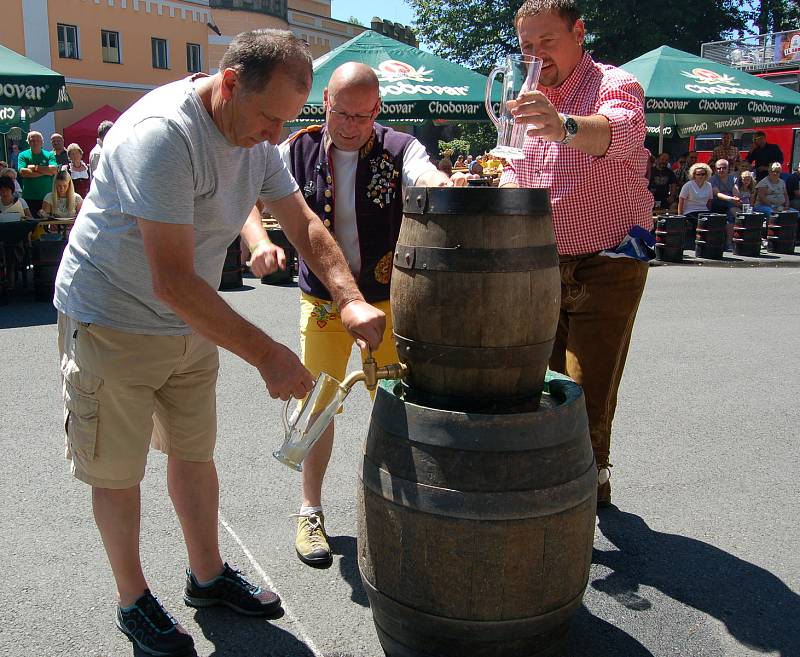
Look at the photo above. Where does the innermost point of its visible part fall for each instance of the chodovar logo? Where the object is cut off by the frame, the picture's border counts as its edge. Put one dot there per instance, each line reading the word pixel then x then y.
pixel 399 75
pixel 16 92
pixel 711 82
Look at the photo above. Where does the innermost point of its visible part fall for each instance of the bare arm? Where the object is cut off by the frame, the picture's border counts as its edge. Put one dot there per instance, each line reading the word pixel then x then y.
pixel 170 254
pixel 265 257
pixel 319 250
pixel 681 204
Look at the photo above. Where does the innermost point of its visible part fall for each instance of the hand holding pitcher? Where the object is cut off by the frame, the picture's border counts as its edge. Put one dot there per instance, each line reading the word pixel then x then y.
pixel 535 111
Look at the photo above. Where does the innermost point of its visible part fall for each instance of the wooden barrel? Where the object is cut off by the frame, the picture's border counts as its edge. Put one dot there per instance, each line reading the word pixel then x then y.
pixel 475 531
pixel 710 242
pixel 669 237
pixel 277 236
pixel 475 296
pixel 747 234
pixel 782 232
pixel 46 257
pixel 232 269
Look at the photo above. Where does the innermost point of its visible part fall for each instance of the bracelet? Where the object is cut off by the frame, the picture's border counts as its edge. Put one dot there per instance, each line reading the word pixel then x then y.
pixel 348 301
pixel 258 245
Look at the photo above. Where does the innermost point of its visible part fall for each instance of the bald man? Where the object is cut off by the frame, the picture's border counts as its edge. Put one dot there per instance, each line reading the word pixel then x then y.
pixel 352 172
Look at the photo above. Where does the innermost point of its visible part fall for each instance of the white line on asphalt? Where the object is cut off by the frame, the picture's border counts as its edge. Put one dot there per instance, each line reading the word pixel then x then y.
pixel 290 616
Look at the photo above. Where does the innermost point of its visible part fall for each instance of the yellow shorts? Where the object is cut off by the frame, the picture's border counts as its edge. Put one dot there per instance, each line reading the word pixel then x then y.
pixel 124 390
pixel 326 345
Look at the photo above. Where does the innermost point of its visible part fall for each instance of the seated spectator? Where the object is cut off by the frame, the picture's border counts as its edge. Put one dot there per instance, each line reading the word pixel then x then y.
pixel 8 201
pixel 695 197
pixel 747 188
pixel 460 164
pixel 772 195
pixel 62 202
pixel 475 167
pixel 793 188
pixel 468 160
pixel 678 164
pixel 726 192
pixel 78 170
pixel 662 182
pixel 11 173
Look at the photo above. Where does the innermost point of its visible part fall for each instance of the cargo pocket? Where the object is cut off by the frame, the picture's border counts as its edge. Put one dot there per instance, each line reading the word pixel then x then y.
pixel 80 410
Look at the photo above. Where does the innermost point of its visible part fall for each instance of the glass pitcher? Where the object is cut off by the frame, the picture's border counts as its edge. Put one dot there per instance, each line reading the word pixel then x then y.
pixel 309 419
pixel 520 74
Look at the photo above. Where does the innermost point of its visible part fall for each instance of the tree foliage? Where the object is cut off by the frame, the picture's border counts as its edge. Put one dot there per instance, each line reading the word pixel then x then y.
pixel 479 33
pixel 775 15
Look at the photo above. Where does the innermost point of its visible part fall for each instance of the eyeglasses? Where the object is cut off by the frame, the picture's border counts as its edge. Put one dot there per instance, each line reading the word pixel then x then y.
pixel 722 168
pixel 359 119
pixel 699 173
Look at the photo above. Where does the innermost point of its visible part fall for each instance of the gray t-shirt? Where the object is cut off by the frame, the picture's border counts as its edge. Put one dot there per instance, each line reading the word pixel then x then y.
pixel 164 160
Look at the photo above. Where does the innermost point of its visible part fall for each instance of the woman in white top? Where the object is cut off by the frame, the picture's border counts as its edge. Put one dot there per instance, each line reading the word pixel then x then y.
pixel 695 197
pixel 62 202
pixel 11 173
pixel 771 192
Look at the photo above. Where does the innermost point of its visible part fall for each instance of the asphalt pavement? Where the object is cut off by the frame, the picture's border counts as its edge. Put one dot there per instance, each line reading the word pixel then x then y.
pixel 699 559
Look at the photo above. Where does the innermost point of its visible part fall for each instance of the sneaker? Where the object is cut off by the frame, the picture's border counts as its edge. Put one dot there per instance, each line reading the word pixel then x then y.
pixel 231 589
pixel 603 486
pixel 311 542
pixel 151 627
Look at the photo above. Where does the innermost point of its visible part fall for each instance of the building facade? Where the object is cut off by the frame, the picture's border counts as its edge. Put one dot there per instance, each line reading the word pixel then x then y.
pixel 112 52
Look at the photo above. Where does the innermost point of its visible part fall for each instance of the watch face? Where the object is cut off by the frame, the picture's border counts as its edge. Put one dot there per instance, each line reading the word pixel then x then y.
pixel 571 126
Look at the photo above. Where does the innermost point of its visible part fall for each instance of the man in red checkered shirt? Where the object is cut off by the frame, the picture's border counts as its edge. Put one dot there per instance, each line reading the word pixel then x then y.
pixel 586 145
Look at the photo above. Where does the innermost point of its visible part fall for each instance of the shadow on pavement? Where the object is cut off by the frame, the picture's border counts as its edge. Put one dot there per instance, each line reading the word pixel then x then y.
pixel 22 313
pixel 348 567
pixel 757 608
pixel 593 636
pixel 240 636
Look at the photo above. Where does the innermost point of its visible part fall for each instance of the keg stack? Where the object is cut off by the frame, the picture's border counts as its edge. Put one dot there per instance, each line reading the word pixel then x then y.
pixel 782 232
pixel 478 483
pixel 670 230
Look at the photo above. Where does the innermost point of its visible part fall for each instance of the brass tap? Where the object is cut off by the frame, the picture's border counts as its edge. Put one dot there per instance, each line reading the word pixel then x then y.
pixel 371 373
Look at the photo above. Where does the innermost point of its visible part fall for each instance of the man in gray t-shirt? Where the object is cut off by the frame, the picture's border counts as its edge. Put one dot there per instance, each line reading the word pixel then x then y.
pixel 140 318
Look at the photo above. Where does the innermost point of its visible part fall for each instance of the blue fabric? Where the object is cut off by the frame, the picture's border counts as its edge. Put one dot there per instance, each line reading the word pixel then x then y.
pixel 639 244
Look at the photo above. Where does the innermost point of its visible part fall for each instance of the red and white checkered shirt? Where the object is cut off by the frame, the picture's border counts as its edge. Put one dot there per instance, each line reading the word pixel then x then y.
pixel 596 200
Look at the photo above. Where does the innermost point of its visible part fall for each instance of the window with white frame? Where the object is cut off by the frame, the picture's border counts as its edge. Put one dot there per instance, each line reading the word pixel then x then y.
pixel 110 43
pixel 193 58
pixel 67 41
pixel 160 53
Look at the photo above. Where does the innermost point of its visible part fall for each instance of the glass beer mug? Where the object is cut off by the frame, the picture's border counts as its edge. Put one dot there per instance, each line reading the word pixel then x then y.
pixel 520 74
pixel 309 419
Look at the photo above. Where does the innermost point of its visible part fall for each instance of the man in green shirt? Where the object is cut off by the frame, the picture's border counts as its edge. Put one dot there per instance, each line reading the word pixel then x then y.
pixel 36 169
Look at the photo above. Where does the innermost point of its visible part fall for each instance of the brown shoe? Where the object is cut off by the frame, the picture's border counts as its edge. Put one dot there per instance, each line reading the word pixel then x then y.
pixel 603 486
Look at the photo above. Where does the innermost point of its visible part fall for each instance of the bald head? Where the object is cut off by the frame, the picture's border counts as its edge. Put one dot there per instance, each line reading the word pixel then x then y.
pixel 354 75
pixel 352 101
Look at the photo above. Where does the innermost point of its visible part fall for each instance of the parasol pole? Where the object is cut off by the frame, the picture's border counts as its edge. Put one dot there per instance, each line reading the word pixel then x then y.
pixel 660 133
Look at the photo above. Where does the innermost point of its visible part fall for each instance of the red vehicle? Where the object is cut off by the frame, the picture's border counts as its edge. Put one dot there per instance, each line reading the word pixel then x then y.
pixel 786 137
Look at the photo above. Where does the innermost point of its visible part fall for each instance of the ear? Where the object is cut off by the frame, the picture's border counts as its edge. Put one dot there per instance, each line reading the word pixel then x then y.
pixel 229 81
pixel 579 31
pixel 325 101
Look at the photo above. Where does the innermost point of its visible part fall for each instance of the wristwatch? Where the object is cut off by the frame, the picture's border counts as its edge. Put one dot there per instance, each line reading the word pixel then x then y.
pixel 570 128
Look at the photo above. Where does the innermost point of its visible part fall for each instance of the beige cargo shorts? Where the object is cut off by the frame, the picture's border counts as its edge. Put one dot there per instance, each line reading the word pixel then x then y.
pixel 124 391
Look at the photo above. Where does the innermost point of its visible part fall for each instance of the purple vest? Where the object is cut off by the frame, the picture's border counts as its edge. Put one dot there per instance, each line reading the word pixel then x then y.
pixel 379 202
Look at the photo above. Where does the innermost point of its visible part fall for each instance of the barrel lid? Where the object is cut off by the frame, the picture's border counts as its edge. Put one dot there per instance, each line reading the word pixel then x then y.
pixel 475 200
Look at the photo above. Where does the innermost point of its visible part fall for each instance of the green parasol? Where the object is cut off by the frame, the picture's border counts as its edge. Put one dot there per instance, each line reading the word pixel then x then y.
pixel 415 85
pixel 689 95
pixel 28 90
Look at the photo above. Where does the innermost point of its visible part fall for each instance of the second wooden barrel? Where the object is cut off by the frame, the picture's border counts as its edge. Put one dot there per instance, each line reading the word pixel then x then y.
pixel 475 531
pixel 46 257
pixel 782 231
pixel 232 269
pixel 475 293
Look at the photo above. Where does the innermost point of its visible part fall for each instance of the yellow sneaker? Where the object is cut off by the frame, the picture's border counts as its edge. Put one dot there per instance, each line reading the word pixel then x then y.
pixel 311 541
